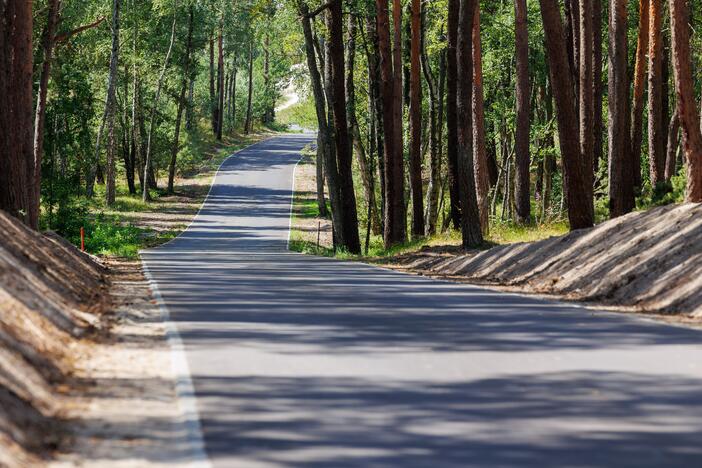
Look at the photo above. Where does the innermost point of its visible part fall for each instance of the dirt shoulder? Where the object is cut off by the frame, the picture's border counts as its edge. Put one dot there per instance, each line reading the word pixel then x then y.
pixel 126 412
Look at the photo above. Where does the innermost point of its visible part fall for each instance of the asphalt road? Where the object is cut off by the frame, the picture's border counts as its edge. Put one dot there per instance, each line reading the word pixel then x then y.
pixel 310 362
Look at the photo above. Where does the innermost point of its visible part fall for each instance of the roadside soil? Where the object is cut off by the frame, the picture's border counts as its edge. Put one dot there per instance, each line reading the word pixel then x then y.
pixel 309 230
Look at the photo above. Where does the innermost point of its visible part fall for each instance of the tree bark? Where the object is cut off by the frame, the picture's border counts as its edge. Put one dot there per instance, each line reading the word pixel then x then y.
pixel 220 81
pixel 471 233
pixel 349 228
pixel 374 80
pixel 110 192
pixel 656 123
pixel 213 101
pixel 394 222
pixel 637 108
pixel 597 84
pixel 586 96
pixel 451 113
pixel 415 117
pixel 621 177
pixel 580 207
pixel 684 90
pixel 432 200
pixel 248 124
pixel 354 131
pixel 181 102
pixel 482 177
pixel 47 48
pixel 324 151
pixel 148 169
pixel 16 130
pixel 521 141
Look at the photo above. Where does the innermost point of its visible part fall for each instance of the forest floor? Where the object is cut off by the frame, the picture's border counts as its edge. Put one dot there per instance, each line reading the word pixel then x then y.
pixel 645 262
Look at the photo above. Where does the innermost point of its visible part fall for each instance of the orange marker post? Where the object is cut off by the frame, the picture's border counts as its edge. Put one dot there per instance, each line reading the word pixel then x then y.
pixel 82 239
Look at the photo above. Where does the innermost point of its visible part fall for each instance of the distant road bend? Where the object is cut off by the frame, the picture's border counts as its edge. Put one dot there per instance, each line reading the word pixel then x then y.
pixel 299 361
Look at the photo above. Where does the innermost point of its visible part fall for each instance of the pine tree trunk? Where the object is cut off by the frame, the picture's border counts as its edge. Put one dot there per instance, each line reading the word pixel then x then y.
pixel 16 129
pixel 586 97
pixel 432 200
pixel 415 122
pixel 580 207
pixel 394 222
pixel 521 141
pixel 354 131
pixel 374 80
pixel 213 105
pixel 451 113
pixel 181 103
pixel 656 123
pixel 349 229
pixel 148 165
pixel 640 67
pixel 47 48
pixel 324 152
pixel 597 144
pixel 220 82
pixel 684 90
pixel 470 218
pixel 480 158
pixel 248 124
pixel 621 177
pixel 110 192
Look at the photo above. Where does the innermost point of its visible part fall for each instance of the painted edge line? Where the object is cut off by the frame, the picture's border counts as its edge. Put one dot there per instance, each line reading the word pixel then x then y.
pixel 185 391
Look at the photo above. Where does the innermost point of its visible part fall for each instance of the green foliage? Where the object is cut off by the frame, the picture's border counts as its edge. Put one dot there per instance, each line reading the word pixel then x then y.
pixel 302 114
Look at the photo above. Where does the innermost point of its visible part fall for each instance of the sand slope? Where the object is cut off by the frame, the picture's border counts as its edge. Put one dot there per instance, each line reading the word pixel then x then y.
pixel 51 298
pixel 651 261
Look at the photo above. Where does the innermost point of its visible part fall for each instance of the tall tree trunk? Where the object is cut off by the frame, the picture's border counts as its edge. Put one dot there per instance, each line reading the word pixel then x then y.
pixel 248 124
pixel 684 90
pixel 148 168
pixel 451 113
pixel 586 97
pixel 47 48
pixel 181 102
pixel 349 229
pixel 521 141
pixel 597 144
pixel 432 208
pixel 394 222
pixel 213 100
pixel 16 130
pixel 110 192
pixel 482 177
pixel 354 131
pixel 374 80
pixel 107 117
pixel 580 207
pixel 220 81
pixel 637 108
pixel 470 217
pixel 232 97
pixel 399 228
pixel 136 112
pixel 656 123
pixel 415 117
pixel 324 148
pixel 621 177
